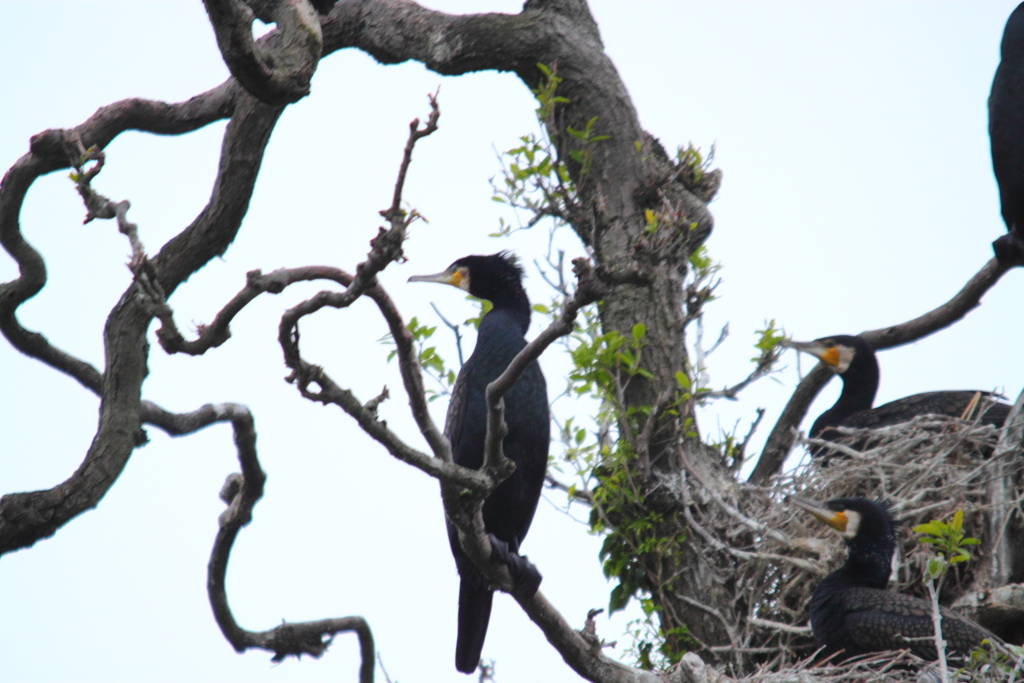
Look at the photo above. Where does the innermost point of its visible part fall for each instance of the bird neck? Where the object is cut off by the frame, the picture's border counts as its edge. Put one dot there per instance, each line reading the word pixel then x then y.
pixel 860 384
pixel 869 563
pixel 513 303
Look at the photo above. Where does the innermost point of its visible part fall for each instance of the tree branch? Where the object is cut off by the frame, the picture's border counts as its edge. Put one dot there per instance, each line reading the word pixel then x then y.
pixel 589 289
pixel 27 517
pixel 241 492
pixel 780 441
pixel 277 70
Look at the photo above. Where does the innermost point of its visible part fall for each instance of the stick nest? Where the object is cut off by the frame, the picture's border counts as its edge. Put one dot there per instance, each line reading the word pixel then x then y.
pixel 774 554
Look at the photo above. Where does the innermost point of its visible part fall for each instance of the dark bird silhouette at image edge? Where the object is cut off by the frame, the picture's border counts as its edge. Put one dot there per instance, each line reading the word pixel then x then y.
pixel 853 359
pixel 1006 133
pixel 852 613
pixel 508 511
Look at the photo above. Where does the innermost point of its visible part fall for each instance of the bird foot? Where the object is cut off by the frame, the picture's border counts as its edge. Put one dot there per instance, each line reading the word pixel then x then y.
pixel 1009 249
pixel 525 577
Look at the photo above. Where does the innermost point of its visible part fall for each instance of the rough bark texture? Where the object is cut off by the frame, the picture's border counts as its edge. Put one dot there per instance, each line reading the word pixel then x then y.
pixel 639 276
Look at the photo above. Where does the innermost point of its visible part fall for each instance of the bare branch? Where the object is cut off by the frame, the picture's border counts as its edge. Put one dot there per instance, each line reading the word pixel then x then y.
pixel 385 248
pixel 582 496
pixel 579 653
pixel 779 626
pixel 277 69
pixel 780 441
pixel 52 150
pixel 28 517
pixel 741 451
pixel 763 368
pixel 455 330
pixel 241 492
pixel 394 213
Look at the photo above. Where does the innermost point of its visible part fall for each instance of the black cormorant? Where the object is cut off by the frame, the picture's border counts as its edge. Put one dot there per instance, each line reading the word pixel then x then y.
pixel 1006 132
pixel 508 511
pixel 852 613
pixel 853 359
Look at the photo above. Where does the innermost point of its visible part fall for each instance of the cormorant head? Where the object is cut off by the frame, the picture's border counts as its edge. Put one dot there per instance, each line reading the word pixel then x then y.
pixel 837 352
pixel 497 278
pixel 851 517
pixel 853 359
pixel 868 529
pixel 1013 34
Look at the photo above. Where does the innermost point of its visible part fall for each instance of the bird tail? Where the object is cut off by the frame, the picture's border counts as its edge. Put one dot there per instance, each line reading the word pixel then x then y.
pixel 474 614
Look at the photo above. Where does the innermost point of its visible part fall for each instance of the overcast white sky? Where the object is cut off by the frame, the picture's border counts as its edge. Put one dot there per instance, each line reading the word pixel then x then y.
pixel 858 193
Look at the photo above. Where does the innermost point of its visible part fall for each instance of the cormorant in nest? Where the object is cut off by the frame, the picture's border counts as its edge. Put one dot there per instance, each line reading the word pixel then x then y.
pixel 853 359
pixel 852 613
pixel 508 511
pixel 1006 132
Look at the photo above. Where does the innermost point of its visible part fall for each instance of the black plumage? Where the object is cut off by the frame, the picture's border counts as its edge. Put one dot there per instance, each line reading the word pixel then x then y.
pixel 852 613
pixel 853 359
pixel 1006 133
pixel 509 510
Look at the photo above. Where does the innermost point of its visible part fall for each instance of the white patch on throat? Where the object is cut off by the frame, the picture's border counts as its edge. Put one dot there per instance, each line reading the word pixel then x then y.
pixel 852 524
pixel 846 354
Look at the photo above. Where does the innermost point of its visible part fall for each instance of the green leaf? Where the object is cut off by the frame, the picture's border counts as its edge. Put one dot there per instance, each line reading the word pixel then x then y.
pixel 639 330
pixel 683 380
pixel 958 520
pixel 934 528
pixel 936 567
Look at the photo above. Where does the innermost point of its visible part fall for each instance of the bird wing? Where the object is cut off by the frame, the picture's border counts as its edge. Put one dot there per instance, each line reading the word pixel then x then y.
pixel 456 408
pixel 951 403
pixel 883 620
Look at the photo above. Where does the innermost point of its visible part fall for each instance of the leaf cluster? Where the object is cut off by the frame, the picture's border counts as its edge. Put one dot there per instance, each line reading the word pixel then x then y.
pixel 948 541
pixel 428 358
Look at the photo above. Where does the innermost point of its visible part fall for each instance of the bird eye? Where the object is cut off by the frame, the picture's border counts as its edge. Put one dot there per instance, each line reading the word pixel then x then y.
pixel 829 343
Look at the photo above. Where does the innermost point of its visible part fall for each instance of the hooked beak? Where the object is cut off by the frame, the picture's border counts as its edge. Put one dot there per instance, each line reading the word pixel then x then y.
pixel 829 356
pixel 836 520
pixel 452 276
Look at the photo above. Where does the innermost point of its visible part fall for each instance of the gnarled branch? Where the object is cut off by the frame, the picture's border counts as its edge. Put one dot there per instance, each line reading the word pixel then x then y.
pixel 241 492
pixel 278 69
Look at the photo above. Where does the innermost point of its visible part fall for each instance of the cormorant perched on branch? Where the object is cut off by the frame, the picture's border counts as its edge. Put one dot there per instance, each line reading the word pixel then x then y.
pixel 853 359
pixel 509 510
pixel 852 613
pixel 1006 131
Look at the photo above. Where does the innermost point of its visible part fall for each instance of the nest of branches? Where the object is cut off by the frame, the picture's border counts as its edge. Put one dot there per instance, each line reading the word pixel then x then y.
pixel 773 555
pixel 890 667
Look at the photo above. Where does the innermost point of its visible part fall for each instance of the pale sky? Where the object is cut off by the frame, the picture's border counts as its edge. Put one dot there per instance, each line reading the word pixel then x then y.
pixel 858 193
